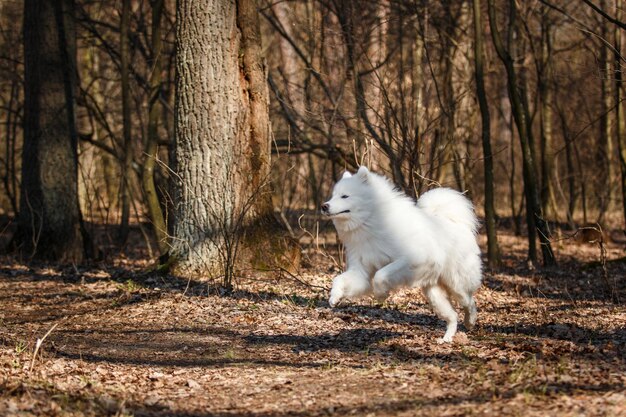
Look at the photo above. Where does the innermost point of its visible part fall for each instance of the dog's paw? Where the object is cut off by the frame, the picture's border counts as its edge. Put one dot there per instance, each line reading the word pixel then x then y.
pixel 443 340
pixel 469 324
pixel 381 297
pixel 334 300
pixel 470 317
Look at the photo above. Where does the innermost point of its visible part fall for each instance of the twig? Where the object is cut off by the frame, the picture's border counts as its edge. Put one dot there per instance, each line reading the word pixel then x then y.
pixel 605 272
pixel 37 346
pixel 301 281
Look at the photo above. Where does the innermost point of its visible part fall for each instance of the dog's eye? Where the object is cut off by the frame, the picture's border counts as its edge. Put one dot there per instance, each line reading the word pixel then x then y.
pixel 344 196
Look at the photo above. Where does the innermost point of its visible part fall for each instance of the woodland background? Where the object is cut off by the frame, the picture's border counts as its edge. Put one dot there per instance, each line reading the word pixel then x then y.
pixel 519 103
pixel 388 84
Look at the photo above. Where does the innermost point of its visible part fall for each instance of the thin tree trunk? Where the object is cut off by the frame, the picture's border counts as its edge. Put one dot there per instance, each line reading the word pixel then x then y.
pixel 571 171
pixel 493 255
pixel 49 221
pixel 447 143
pixel 507 127
pixel 462 75
pixel 11 122
pixel 418 110
pixel 621 115
pixel 546 97
pixel 604 182
pixel 622 153
pixel 583 183
pixel 534 216
pixel 126 123
pixel 154 115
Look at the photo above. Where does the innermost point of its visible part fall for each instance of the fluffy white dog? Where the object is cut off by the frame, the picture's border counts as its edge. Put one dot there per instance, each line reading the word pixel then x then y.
pixel 393 242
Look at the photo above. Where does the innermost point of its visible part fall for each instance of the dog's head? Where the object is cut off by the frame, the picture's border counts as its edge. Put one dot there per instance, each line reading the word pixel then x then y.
pixel 350 203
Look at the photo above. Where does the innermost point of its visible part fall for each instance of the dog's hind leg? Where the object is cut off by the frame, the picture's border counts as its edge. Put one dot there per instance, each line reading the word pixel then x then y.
pixel 470 313
pixel 438 299
pixel 466 301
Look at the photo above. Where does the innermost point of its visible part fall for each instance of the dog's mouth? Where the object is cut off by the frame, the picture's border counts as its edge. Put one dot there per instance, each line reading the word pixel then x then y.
pixel 337 214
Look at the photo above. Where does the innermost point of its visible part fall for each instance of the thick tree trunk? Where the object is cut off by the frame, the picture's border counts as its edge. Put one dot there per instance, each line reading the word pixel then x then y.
pixel 49 221
pixel 207 115
pixel 221 156
pixel 493 255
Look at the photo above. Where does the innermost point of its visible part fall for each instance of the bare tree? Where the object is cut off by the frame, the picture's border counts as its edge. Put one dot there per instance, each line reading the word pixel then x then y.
pixel 155 112
pixel 493 255
pixel 49 221
pixel 383 83
pixel 517 93
pixel 604 182
pixel 546 97
pixel 126 123
pixel 619 99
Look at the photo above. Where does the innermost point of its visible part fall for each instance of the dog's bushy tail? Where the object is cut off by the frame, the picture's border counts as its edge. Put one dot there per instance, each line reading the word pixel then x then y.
pixel 451 205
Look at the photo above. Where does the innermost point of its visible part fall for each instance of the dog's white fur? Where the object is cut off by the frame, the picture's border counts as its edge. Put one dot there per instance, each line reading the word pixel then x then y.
pixel 393 242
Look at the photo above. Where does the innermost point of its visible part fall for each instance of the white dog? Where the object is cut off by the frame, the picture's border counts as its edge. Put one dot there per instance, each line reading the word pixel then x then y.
pixel 392 242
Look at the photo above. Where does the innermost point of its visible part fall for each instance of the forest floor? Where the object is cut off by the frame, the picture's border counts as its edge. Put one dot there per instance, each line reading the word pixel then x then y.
pixel 113 339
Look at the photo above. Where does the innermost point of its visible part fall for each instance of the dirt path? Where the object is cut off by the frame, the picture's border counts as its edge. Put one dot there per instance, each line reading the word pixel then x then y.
pixel 127 343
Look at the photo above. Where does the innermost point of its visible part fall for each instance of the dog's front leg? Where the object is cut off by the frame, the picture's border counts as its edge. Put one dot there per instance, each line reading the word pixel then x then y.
pixel 349 285
pixel 396 274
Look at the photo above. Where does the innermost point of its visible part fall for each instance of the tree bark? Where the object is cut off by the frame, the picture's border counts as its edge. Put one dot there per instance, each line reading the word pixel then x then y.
pixel 222 210
pixel 49 221
pixel 534 217
pixel 493 255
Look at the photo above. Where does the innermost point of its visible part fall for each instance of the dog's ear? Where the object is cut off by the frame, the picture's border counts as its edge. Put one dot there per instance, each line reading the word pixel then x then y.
pixel 346 175
pixel 363 173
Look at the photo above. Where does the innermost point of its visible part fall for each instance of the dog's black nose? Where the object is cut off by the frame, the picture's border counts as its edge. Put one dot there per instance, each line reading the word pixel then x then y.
pixel 325 208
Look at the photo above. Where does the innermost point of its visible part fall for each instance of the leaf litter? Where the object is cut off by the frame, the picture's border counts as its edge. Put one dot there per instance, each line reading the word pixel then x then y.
pixel 127 342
